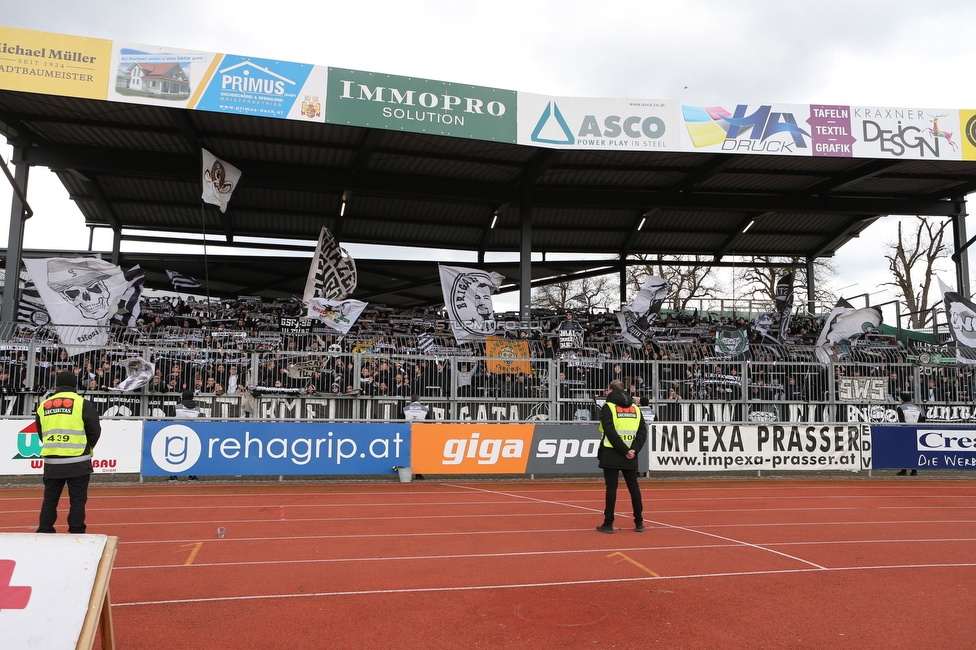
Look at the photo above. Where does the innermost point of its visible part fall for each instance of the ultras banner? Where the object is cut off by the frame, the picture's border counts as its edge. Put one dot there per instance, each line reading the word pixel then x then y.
pixel 718 447
pixel 467 299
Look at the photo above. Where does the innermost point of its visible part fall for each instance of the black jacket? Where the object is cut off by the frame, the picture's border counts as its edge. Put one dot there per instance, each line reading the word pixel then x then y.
pixel 616 457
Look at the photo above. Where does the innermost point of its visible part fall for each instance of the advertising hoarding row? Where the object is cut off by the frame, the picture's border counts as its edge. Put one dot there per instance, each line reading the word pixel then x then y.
pixel 268 448
pixel 118 71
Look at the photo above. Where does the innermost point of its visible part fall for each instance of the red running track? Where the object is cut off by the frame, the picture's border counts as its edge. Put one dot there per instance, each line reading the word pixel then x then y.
pixel 876 563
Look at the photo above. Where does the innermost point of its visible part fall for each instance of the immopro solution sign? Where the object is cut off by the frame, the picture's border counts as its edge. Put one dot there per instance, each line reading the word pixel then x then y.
pixel 383 101
pixel 269 448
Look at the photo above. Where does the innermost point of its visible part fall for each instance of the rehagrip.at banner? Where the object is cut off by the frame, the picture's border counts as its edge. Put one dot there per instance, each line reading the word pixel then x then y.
pixel 712 447
pixel 269 448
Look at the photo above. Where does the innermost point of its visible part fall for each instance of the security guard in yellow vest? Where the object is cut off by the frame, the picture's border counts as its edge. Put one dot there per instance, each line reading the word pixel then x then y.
pixel 69 428
pixel 624 435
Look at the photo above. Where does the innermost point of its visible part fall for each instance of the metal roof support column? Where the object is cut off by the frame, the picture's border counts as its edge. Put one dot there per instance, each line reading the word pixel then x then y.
pixel 811 287
pixel 116 246
pixel 525 261
pixel 623 282
pixel 962 258
pixel 15 239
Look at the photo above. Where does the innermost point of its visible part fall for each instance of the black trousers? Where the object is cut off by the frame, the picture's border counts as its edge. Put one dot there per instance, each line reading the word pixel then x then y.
pixel 630 477
pixel 78 497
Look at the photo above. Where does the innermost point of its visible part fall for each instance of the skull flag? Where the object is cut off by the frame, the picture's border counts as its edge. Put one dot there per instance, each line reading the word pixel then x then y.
pixel 79 292
pixel 219 180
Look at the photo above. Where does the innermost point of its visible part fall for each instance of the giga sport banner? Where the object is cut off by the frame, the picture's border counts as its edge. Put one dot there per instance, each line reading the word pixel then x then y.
pixel 479 448
pixel 715 447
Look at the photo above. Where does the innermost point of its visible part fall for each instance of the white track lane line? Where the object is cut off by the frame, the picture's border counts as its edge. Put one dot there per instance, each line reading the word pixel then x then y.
pixel 674 527
pixel 528 585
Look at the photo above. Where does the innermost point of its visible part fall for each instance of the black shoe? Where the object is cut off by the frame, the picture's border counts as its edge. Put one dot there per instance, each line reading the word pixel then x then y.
pixel 902 473
pixel 171 478
pixel 192 477
pixel 914 472
pixel 605 528
pixel 639 528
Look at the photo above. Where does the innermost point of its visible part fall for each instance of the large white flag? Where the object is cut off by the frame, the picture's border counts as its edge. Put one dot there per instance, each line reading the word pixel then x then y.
pixel 636 319
pixel 79 292
pixel 219 180
pixel 961 316
pixel 467 299
pixel 340 315
pixel 332 274
pixel 843 323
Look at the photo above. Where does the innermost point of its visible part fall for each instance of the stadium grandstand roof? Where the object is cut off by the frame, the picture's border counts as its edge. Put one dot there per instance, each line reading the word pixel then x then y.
pixel 133 165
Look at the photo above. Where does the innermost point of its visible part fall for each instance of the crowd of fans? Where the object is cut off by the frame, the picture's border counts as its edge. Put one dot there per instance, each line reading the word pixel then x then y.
pixel 265 347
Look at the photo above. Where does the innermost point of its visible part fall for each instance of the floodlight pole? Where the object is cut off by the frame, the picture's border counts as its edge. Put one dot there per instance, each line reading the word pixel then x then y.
pixel 15 238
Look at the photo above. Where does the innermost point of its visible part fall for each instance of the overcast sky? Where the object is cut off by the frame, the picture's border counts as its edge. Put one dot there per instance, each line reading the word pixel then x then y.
pixel 876 53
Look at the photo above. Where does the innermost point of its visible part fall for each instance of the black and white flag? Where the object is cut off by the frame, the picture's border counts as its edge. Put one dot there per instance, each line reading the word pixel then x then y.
pixel 332 274
pixel 182 282
pixel 961 315
pixel 467 299
pixel 220 179
pixel 81 295
pixel 784 304
pixel 637 318
pixel 130 305
pixel 31 308
pixel 844 322
pixel 425 343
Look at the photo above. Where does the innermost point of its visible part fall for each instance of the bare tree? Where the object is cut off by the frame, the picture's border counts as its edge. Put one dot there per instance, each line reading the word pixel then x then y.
pixel 688 281
pixel 587 293
pixel 912 259
pixel 758 281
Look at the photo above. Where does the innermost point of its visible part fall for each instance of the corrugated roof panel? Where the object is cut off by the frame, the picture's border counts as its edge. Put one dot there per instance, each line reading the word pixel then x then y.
pixel 442 168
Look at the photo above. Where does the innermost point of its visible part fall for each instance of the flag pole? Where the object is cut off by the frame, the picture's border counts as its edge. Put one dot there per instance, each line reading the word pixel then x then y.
pixel 206 263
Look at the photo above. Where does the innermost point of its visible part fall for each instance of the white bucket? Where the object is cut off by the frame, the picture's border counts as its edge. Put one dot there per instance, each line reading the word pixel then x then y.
pixel 406 473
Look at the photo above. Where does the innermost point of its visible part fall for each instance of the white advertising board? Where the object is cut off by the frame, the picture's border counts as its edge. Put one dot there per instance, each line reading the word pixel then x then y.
pixel 119 450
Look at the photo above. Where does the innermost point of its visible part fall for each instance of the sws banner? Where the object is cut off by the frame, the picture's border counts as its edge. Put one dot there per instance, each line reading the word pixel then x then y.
pixel 924 447
pixel 268 448
pixel 715 447
pixel 479 448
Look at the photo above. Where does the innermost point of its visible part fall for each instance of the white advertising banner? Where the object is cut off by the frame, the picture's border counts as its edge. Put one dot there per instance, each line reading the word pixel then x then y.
pixel 780 129
pixel 749 447
pixel 159 76
pixel 906 133
pixel 586 123
pixel 119 449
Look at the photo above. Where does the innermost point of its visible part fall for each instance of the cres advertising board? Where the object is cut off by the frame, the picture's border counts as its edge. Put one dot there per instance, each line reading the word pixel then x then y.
pixel 924 446
pixel 270 448
pixel 479 448
pixel 119 449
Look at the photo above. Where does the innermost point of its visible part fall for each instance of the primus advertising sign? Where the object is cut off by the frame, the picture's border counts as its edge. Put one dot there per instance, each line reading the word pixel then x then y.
pixel 386 101
pixel 580 123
